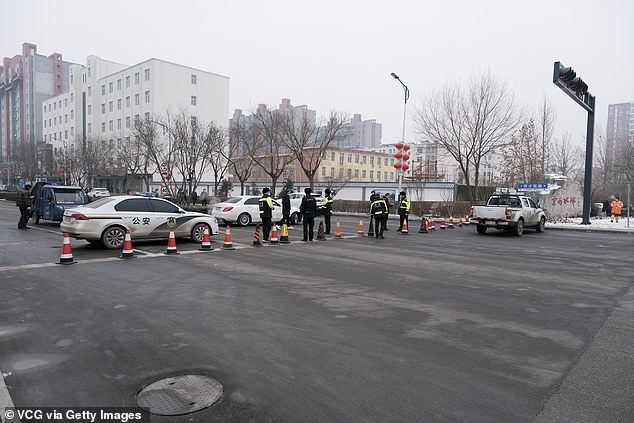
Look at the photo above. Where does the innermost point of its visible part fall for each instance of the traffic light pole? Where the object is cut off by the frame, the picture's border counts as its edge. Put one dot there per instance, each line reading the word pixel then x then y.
pixel 566 79
pixel 587 179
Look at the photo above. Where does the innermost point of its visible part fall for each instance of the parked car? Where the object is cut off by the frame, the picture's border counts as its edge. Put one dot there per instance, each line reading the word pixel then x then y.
pixel 106 220
pixel 49 201
pixel 95 193
pixel 296 199
pixel 244 210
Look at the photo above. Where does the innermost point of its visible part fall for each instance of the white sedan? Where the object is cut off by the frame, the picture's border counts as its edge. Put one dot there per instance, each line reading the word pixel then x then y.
pixel 107 219
pixel 245 210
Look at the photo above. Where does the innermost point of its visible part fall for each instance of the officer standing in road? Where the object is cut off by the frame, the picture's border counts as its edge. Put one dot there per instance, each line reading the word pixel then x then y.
pixel 326 209
pixel 378 210
pixel 386 197
pixel 266 213
pixel 286 209
pixel 23 201
pixel 403 210
pixel 308 210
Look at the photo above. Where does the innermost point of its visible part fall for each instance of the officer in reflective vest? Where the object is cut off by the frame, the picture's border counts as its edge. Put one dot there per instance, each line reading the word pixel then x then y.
pixel 326 209
pixel 616 205
pixel 378 209
pixel 403 209
pixel 266 213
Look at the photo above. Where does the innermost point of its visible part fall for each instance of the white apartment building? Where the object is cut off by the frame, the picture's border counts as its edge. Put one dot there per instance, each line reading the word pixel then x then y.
pixel 106 97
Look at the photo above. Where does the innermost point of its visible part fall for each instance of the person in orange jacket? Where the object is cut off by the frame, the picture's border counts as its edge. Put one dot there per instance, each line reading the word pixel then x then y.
pixel 616 205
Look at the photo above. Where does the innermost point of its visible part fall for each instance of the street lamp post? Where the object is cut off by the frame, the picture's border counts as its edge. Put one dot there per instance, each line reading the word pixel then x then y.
pixel 406 92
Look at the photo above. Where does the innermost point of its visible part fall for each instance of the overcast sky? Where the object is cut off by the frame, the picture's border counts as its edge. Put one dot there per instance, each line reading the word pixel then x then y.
pixel 338 54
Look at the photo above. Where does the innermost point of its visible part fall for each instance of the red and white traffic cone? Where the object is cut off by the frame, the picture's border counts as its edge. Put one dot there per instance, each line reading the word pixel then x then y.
pixel 171 243
pixel 338 230
pixel 360 229
pixel 467 221
pixel 451 222
pixel 228 243
pixel 67 252
pixel 206 244
pixel 405 229
pixel 274 239
pixel 442 223
pixel 127 252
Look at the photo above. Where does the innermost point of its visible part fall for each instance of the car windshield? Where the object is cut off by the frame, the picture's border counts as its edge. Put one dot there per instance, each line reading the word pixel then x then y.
pixel 68 196
pixel 99 203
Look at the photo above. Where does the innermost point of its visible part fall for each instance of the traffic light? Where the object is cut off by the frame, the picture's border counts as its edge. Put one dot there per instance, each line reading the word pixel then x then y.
pixel 566 78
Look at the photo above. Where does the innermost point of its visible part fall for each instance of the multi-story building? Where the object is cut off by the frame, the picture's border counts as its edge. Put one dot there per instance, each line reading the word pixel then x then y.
pixel 106 98
pixel 359 134
pixel 28 80
pixel 620 130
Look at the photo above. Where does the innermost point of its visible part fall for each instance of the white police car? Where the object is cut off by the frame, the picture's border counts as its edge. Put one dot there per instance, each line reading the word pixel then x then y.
pixel 107 219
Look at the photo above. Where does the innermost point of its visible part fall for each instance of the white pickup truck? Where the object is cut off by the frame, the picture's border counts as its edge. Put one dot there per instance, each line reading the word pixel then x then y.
pixel 510 211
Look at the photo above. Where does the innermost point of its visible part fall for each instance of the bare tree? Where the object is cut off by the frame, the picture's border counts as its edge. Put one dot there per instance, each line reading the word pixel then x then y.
pixel 545 124
pixel 23 160
pixel 308 139
pixel 469 122
pixel 134 158
pixel 567 158
pixel 241 136
pixel 269 152
pixel 159 153
pixel 88 161
pixel 218 144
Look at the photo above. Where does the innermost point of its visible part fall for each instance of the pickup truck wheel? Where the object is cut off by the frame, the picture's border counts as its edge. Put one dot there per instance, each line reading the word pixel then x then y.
pixel 519 229
pixel 541 225
pixel 482 229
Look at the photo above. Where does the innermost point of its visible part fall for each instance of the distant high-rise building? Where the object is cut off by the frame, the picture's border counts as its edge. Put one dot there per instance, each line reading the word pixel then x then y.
pixel 620 130
pixel 26 81
pixel 359 133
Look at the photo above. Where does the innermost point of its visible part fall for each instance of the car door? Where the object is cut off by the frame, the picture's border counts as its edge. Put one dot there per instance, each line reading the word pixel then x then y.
pixel 162 213
pixel 535 208
pixel 137 216
pixel 252 207
pixel 529 213
pixel 47 204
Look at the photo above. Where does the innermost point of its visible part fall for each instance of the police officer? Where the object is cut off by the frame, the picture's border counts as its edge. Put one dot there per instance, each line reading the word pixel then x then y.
pixel 616 205
pixel 326 209
pixel 23 201
pixel 308 210
pixel 378 210
pixel 266 213
pixel 403 209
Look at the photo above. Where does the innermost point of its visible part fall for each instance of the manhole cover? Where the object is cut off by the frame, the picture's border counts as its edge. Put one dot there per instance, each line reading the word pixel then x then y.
pixel 179 395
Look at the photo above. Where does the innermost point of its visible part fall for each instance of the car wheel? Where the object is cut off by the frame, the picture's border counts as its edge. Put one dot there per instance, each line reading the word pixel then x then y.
pixel 295 218
pixel 541 225
pixel 519 229
pixel 113 238
pixel 198 231
pixel 482 229
pixel 244 219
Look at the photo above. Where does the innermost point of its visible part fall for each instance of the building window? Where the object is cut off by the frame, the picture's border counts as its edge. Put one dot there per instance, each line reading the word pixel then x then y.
pixel 137 99
pixel 371 164
pixel 385 175
pixel 72 98
pixel 363 161
pixel 147 115
pixel 103 108
pixel 118 85
pixel 136 118
pixel 323 171
pixel 110 106
pixel 363 173
pixel 110 125
pixel 332 172
pixel 391 175
pixel 65 102
pixel 349 158
pixel 127 81
pixel 119 104
pixel 110 87
pixel 356 158
pixel 119 123
pixel 66 134
pixel 356 173
pixel 147 96
pixel 127 101
pixel 55 121
pixel 136 78
pixel 371 175
pixel 193 100
pixel 65 118
pixel 147 74
pixel 341 156
pixel 90 128
pixel 194 121
pixel 127 121
pixel 89 108
pixel 103 89
pixel 332 156
pixel 194 79
pixel 45 123
pixel 103 126
pixel 385 162
pixel 72 131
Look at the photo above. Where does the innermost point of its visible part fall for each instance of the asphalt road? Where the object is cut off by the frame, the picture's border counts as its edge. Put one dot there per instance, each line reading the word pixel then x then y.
pixel 449 326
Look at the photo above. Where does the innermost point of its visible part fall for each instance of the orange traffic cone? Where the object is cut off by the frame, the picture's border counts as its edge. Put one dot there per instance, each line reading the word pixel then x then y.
pixel 128 251
pixel 228 243
pixel 451 222
pixel 338 230
pixel 67 252
pixel 206 244
pixel 442 223
pixel 171 243
pixel 360 229
pixel 274 238
pixel 405 229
